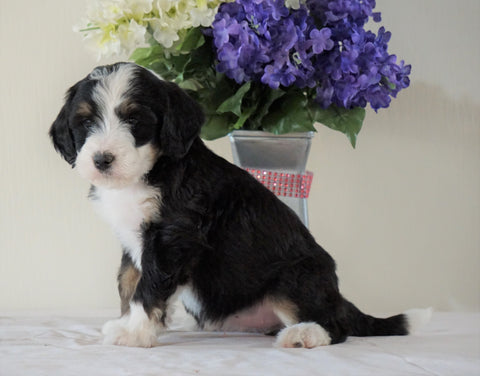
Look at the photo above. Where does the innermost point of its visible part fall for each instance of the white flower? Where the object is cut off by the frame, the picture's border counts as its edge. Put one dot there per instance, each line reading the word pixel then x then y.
pixel 294 4
pixel 138 8
pixel 174 16
pixel 163 34
pixel 203 17
pixel 105 12
pixel 131 36
pixel 119 26
pixel 102 42
pixel 203 12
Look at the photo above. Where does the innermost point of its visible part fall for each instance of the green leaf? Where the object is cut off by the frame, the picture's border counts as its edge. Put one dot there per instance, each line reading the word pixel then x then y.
pixel 264 99
pixel 177 63
pixel 234 103
pixel 216 126
pixel 244 117
pixel 347 121
pixel 192 40
pixel 192 85
pixel 289 114
pixel 141 53
pixel 201 65
pixel 212 96
pixel 169 67
pixel 162 70
pixel 386 82
pixel 146 55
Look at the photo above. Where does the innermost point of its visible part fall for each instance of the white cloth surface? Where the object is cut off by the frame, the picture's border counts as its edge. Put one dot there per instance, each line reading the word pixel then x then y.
pixel 67 344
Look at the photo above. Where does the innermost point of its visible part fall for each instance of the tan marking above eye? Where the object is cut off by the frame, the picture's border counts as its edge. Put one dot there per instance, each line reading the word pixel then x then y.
pixel 126 108
pixel 84 109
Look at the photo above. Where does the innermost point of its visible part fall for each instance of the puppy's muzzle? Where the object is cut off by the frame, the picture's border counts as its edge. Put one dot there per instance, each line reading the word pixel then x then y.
pixel 103 161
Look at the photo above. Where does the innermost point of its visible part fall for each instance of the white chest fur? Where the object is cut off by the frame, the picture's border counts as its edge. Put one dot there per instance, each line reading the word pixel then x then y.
pixel 126 209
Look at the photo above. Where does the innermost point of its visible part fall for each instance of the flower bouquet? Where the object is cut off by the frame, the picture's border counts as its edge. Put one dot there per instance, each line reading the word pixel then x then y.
pixel 273 65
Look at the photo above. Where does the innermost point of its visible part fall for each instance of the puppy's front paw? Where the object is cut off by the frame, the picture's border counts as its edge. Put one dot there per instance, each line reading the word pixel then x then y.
pixel 112 330
pixel 306 335
pixel 119 332
pixel 135 329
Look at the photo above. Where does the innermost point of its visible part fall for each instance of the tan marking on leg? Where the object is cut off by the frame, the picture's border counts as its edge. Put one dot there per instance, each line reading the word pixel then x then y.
pixel 128 278
pixel 286 311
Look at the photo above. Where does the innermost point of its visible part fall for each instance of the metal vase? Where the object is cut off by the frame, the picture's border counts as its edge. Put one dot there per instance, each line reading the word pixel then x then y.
pixel 281 155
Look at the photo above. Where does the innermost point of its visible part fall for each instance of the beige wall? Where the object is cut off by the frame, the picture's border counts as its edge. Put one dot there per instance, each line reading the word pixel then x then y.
pixel 401 214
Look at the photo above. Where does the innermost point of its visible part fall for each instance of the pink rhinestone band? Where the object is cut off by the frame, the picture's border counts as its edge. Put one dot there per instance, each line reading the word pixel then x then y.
pixel 284 184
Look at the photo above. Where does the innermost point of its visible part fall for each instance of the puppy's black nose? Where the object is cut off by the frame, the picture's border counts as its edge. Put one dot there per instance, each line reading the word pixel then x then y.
pixel 103 161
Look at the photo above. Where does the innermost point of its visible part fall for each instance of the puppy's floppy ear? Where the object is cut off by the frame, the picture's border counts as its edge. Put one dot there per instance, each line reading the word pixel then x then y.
pixel 181 124
pixel 60 133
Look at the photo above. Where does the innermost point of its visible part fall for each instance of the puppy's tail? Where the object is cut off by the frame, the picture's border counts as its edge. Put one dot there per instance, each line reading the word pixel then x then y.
pixel 363 325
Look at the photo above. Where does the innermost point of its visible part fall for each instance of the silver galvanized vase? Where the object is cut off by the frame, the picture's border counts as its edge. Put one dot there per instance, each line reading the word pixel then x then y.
pixel 279 162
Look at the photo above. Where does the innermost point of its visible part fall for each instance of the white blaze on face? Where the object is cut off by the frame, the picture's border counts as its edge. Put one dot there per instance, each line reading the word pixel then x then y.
pixel 111 135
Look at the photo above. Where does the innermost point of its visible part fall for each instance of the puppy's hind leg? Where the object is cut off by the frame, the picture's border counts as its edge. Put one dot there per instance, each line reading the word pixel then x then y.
pixel 314 304
pixel 298 334
pixel 325 317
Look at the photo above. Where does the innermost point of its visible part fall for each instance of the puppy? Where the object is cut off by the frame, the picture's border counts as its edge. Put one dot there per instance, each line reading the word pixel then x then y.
pixel 196 227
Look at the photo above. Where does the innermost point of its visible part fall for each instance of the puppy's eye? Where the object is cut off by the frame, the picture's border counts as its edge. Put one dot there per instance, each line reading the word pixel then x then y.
pixel 87 123
pixel 132 121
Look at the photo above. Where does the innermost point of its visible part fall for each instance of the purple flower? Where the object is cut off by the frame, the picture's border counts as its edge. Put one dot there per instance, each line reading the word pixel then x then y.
pixel 274 44
pixel 325 93
pixel 274 77
pixel 358 68
pixel 223 32
pixel 321 40
pixel 321 45
pixel 349 61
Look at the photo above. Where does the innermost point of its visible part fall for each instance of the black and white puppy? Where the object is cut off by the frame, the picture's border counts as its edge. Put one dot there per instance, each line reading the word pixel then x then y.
pixel 194 226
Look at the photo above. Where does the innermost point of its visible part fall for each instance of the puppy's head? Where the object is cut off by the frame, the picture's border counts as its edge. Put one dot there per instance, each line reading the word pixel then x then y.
pixel 119 119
